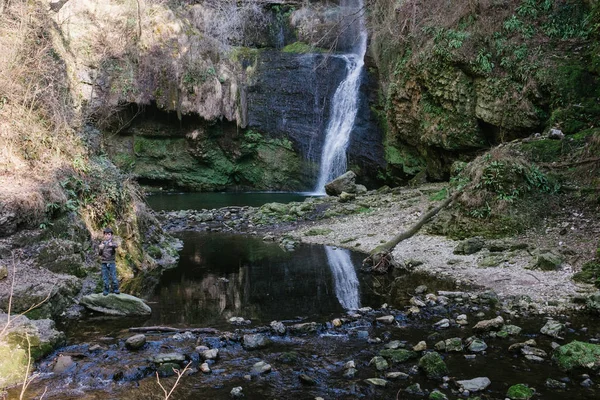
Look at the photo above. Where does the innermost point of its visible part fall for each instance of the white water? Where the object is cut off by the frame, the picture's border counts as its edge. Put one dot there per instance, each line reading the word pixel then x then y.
pixel 344 104
pixel 345 281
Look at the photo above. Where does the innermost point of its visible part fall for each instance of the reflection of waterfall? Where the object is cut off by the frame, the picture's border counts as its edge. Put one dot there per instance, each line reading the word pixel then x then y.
pixel 345 100
pixel 345 280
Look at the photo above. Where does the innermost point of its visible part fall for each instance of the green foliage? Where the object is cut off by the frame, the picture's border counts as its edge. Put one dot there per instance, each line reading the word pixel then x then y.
pixel 440 195
pixel 520 392
pixel 483 63
pixel 590 273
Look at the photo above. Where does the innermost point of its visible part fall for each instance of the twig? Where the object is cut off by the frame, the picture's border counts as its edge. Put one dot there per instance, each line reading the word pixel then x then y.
pixel 529 273
pixel 179 375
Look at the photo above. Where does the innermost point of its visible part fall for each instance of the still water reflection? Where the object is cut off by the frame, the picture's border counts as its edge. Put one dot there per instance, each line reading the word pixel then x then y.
pixel 222 276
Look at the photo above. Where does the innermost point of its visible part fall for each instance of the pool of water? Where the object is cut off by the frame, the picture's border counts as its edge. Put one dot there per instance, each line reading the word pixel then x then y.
pixel 221 276
pixel 164 201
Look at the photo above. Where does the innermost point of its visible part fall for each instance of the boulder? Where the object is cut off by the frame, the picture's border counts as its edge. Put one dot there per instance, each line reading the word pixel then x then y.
pixel 42 333
pixel 578 355
pixel 547 261
pixel 343 183
pixel 116 304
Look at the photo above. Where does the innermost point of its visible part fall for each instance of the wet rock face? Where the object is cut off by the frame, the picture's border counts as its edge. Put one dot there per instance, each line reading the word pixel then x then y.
pixel 290 95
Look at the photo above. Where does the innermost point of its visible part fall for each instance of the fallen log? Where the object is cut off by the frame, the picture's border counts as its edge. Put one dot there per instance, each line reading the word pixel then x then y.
pixel 380 259
pixel 144 329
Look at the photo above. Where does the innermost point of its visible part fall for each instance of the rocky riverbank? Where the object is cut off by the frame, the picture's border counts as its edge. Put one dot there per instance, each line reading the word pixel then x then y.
pixel 530 271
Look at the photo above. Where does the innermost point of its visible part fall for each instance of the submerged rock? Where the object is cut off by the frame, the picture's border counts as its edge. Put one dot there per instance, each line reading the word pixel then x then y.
pixel 376 382
pixel 136 342
pixel 475 384
pixel 255 341
pixel 380 363
pixel 398 355
pixel 236 392
pixel 261 367
pixel 116 304
pixel 553 328
pixel 433 365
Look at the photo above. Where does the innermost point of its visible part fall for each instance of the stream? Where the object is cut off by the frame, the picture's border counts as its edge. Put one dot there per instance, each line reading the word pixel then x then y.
pixel 315 291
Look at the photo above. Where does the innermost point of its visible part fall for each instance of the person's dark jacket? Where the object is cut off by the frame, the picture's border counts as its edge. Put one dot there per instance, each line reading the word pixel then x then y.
pixel 107 251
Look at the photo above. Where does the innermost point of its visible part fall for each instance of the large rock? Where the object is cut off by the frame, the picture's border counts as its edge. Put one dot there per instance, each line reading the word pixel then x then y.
pixel 343 183
pixel 577 355
pixel 116 304
pixel 54 294
pixel 489 325
pixel 43 338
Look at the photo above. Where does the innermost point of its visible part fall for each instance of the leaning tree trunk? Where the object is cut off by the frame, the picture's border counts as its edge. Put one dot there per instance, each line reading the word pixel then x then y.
pixel 380 259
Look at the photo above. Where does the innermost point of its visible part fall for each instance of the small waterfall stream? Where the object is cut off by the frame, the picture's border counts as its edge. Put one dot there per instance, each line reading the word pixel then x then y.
pixel 345 281
pixel 345 100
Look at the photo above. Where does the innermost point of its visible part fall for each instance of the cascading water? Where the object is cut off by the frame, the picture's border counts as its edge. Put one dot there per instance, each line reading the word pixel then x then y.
pixel 345 100
pixel 345 281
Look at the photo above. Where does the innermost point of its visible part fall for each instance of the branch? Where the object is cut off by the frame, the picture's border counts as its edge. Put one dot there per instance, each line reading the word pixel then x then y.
pixel 179 375
pixel 171 329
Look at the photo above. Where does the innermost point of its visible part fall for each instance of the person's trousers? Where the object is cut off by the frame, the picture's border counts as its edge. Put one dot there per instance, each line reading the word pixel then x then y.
pixel 109 275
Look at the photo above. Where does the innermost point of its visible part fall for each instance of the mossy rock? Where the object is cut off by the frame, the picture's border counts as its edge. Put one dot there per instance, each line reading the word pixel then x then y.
pixel 318 232
pixel 520 392
pixel 590 273
pixel 398 355
pixel 433 365
pixel 577 355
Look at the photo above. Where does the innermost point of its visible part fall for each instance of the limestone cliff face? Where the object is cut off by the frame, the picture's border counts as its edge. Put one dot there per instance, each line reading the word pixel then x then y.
pixel 206 64
pixel 459 78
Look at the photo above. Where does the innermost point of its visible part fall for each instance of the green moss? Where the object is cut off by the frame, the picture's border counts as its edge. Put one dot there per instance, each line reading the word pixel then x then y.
pixel 300 48
pixel 13 363
pixel 577 355
pixel 437 395
pixel 433 365
pixel 520 392
pixel 398 355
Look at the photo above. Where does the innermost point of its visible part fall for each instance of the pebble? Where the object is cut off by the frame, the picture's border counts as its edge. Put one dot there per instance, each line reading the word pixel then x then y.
pixel 236 392
pixel 204 367
pixel 442 324
pixel 386 319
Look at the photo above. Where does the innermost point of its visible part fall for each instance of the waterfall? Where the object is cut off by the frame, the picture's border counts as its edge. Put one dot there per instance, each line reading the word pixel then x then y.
pixel 344 105
pixel 345 281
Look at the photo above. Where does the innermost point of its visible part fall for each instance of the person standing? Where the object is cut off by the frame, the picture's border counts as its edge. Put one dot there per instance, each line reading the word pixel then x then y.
pixel 107 252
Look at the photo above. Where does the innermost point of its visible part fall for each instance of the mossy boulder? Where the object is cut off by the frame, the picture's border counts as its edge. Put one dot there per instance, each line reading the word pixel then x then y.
pixel 433 365
pixel 116 304
pixel 593 303
pixel 577 355
pixel 24 335
pixel 520 392
pixel 398 355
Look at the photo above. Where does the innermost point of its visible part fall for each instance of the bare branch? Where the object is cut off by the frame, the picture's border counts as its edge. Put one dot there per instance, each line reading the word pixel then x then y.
pixel 179 375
